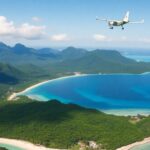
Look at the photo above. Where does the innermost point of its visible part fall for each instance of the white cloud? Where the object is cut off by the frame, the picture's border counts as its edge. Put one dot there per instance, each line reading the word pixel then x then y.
pixel 28 31
pixel 6 27
pixel 103 38
pixel 144 40
pixel 36 19
pixel 123 38
pixel 100 37
pixel 25 31
pixel 60 37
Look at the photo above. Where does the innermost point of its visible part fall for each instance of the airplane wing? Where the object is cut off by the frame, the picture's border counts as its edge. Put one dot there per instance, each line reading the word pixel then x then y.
pixel 101 19
pixel 138 22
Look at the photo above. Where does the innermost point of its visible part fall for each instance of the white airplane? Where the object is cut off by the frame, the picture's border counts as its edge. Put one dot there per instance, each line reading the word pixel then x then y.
pixel 125 20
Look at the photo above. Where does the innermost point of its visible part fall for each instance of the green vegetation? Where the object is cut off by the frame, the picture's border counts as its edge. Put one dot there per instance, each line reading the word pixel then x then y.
pixel 101 61
pixel 13 79
pixel 58 125
pixel 48 61
pixel 9 76
pixel 2 148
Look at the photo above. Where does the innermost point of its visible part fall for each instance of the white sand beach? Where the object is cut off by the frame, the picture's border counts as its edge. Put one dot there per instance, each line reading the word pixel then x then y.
pixel 128 147
pixel 14 95
pixel 23 144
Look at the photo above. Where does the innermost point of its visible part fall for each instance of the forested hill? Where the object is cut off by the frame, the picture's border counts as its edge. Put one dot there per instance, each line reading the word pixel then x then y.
pixel 70 59
pixel 102 61
pixel 58 125
pixel 9 74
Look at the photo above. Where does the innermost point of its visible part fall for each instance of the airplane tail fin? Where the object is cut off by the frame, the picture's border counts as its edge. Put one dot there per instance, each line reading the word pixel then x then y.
pixel 126 18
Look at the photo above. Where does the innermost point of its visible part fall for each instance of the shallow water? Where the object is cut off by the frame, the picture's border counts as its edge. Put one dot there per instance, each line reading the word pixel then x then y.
pixel 10 147
pixel 142 147
pixel 139 57
pixel 109 93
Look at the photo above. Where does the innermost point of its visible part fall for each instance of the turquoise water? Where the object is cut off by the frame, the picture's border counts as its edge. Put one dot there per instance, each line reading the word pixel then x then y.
pixel 113 93
pixel 139 57
pixel 142 147
pixel 10 147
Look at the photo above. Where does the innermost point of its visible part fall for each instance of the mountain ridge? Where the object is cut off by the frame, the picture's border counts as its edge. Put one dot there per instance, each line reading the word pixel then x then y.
pixel 69 60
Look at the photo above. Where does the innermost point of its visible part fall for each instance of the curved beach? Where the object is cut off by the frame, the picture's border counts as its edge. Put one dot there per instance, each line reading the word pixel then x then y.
pixel 130 146
pixel 14 95
pixel 23 144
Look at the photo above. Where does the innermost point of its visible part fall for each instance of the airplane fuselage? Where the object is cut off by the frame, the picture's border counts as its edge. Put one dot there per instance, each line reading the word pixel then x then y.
pixel 117 23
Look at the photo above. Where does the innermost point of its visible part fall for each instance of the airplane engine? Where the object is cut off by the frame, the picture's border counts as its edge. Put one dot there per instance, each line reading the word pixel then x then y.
pixel 111 23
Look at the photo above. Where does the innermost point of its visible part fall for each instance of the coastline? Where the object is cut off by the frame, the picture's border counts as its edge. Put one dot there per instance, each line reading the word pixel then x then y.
pixel 130 146
pixel 14 95
pixel 121 112
pixel 127 112
pixel 23 144
pixel 30 146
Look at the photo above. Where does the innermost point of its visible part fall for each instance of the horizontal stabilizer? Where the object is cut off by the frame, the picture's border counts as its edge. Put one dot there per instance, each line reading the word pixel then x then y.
pixel 142 21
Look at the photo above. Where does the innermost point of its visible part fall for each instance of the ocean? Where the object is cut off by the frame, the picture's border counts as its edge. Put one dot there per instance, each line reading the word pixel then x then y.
pixel 10 147
pixel 119 94
pixel 138 57
pixel 142 147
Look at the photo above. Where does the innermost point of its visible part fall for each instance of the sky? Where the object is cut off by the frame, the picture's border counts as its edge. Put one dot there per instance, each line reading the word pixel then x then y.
pixel 63 23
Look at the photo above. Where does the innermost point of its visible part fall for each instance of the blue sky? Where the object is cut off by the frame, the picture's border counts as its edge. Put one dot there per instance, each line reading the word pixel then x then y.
pixel 62 23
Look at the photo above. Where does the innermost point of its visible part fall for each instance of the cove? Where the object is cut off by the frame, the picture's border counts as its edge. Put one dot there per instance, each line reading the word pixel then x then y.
pixel 120 94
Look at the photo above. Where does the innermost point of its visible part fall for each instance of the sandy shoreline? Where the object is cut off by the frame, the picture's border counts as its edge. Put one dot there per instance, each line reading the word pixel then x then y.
pixel 30 146
pixel 128 147
pixel 23 144
pixel 14 95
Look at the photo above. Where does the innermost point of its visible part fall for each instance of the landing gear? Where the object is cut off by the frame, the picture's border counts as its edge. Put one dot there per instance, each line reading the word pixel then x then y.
pixel 122 28
pixel 111 28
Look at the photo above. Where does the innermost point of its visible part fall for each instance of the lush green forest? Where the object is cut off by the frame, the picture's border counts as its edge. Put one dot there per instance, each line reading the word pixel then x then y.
pixel 2 148
pixel 58 125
